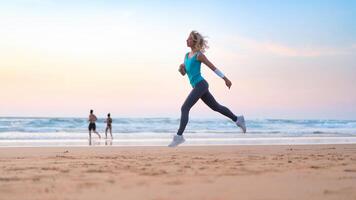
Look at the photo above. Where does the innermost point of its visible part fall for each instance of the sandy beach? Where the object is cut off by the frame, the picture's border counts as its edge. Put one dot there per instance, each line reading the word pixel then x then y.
pixel 200 172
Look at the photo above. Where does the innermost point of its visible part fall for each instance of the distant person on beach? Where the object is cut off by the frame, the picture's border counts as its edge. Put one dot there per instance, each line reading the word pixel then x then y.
pixel 92 126
pixel 191 66
pixel 108 122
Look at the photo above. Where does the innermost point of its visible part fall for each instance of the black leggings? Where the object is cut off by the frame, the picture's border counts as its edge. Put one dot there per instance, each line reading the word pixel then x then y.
pixel 201 91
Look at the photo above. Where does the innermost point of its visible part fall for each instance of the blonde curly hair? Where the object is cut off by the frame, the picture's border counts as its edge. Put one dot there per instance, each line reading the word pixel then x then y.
pixel 200 43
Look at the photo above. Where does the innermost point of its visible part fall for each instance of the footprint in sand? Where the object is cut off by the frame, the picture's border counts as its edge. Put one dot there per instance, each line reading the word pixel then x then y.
pixel 175 182
pixel 350 170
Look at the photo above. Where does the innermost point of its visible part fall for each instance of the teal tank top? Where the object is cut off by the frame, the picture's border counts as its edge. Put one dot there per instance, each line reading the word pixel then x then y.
pixel 192 67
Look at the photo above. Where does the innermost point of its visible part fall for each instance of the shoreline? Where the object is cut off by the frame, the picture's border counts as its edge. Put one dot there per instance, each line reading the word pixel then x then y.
pixel 162 142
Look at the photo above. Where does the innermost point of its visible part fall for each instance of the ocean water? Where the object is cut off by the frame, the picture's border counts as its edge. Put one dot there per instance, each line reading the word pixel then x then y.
pixel 26 131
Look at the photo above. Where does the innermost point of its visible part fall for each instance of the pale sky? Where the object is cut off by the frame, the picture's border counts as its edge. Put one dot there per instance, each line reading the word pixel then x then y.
pixel 286 59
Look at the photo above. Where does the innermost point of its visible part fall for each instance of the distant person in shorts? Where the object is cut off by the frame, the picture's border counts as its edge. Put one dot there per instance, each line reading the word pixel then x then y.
pixel 92 126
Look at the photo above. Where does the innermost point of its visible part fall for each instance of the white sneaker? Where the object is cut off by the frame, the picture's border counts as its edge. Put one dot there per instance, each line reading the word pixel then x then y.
pixel 177 140
pixel 240 122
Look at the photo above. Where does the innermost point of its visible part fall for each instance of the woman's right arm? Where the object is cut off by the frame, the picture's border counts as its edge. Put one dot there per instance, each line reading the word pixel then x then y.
pixel 182 69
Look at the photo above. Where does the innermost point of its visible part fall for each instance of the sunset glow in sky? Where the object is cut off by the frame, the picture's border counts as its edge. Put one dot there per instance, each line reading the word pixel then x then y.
pixel 286 59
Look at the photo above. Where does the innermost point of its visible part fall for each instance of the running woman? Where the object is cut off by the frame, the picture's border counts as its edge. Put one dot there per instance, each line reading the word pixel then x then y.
pixel 191 67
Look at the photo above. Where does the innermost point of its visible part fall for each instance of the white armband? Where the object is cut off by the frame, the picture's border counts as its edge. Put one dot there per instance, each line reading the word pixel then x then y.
pixel 219 73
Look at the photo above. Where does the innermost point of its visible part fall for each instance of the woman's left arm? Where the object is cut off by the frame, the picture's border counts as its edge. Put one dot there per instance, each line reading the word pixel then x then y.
pixel 202 58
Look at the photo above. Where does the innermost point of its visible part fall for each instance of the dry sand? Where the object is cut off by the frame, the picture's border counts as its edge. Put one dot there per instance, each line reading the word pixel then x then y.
pixel 209 172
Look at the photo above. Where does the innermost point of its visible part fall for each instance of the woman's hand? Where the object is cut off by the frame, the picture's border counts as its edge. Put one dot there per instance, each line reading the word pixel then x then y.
pixel 182 69
pixel 227 82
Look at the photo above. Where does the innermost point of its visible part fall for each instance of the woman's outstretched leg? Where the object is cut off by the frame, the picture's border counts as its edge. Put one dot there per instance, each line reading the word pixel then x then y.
pixel 210 101
pixel 214 105
pixel 193 97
